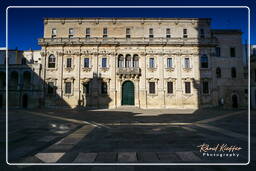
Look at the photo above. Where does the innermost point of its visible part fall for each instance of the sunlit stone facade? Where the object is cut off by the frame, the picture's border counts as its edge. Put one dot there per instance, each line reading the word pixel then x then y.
pixel 147 63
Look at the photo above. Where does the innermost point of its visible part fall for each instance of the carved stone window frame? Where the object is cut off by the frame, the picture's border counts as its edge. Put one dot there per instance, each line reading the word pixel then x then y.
pixel 173 80
pixel 190 63
pixel 169 69
pixel 152 69
pixel 155 80
pixel 104 69
pixel 47 55
pixel 54 80
pixel 191 80
pixel 86 69
pixel 65 58
pixel 72 80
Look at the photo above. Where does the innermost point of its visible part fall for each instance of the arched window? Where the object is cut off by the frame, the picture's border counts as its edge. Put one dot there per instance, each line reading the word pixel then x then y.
pixel 27 79
pixel 51 61
pixel 218 72
pixel 204 61
pixel 120 61
pixel 135 61
pixel 14 80
pixel 233 72
pixel 128 61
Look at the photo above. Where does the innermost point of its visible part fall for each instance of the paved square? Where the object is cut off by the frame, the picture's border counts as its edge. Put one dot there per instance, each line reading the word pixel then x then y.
pixel 124 136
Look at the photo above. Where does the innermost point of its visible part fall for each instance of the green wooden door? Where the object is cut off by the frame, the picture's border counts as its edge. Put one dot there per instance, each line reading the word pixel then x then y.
pixel 128 93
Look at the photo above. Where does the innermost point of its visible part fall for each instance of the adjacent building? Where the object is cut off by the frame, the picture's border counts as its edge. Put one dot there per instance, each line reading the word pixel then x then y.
pixel 25 84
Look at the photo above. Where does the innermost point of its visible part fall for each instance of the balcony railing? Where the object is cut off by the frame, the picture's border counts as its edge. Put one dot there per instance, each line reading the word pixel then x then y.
pixel 128 71
pixel 116 41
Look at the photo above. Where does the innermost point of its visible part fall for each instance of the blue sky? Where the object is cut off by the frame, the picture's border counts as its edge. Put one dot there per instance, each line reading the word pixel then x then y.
pixel 26 24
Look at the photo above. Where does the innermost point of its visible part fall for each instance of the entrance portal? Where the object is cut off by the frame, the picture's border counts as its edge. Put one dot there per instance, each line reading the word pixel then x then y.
pixel 234 101
pixel 127 93
pixel 25 101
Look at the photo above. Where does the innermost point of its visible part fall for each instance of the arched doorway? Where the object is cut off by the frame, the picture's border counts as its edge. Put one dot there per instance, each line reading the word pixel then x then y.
pixel 128 93
pixel 234 101
pixel 25 101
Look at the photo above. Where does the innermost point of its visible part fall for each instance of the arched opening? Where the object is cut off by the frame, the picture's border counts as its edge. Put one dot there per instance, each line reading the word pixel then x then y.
pixel 51 61
pixel 135 61
pixel 128 61
pixel 120 61
pixel 27 79
pixel 128 93
pixel 25 101
pixel 2 80
pixel 14 80
pixel 234 101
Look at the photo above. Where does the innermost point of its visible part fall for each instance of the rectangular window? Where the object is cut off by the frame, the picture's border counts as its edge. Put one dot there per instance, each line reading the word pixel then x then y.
pixel 68 88
pixel 87 33
pixel 186 63
pixel 50 88
pixel 151 33
pixel 105 32
pixel 205 87
pixel 86 63
pixel 187 88
pixel 69 62
pixel 169 63
pixel 104 88
pixel 54 33
pixel 232 52
pixel 71 33
pixel 185 33
pixel 104 63
pixel 151 63
pixel 152 88
pixel 217 51
pixel 168 33
pixel 170 87
pixel 202 33
pixel 128 33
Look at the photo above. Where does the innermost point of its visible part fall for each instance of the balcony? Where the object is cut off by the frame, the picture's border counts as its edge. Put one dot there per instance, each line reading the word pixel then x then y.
pixel 130 72
pixel 124 41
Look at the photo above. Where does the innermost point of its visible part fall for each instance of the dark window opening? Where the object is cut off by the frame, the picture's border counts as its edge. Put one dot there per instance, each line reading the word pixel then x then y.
pixel 187 87
pixel 152 88
pixel 170 87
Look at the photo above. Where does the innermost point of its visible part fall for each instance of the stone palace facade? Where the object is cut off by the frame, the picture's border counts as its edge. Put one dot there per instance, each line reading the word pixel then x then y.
pixel 142 62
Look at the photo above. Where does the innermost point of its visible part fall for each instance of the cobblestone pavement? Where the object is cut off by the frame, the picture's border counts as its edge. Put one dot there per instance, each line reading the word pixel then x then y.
pixel 121 136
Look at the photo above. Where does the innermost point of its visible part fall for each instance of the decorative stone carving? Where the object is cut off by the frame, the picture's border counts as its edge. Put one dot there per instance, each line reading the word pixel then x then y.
pixel 87 69
pixel 169 69
pixel 104 69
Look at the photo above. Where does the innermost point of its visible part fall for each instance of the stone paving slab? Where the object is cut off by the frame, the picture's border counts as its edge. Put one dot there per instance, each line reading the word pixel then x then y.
pixel 106 157
pixel 47 138
pixel 148 157
pixel 167 157
pixel 188 156
pixel 85 158
pixel 49 157
pixel 127 157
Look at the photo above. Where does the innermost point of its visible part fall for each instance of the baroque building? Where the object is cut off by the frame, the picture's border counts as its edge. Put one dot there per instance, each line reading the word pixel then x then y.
pixel 142 62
